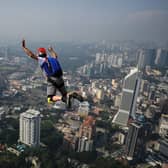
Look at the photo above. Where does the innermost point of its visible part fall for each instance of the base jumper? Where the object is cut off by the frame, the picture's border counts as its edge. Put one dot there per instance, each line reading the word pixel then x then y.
pixel 52 70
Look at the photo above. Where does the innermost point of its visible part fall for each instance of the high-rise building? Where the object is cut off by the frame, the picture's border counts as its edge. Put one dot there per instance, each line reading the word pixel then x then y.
pixel 146 57
pixel 135 141
pixel 163 147
pixel 161 58
pixel 83 109
pixel 144 87
pixel 98 58
pixel 99 94
pixel 164 106
pixel 87 129
pixel 117 100
pixel 120 62
pixel 128 100
pixel 163 126
pixel 85 144
pixel 152 93
pixel 2 113
pixel 30 127
pixel 86 134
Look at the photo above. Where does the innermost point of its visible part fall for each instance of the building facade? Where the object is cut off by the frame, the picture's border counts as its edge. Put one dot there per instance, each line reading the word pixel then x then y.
pixel 83 109
pixel 161 58
pixel 128 99
pixel 135 142
pixel 2 113
pixel 163 126
pixel 86 135
pixel 146 57
pixel 30 128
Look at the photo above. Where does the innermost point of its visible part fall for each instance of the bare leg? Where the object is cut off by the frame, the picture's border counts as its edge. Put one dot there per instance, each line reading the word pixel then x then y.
pixel 56 98
pixel 68 98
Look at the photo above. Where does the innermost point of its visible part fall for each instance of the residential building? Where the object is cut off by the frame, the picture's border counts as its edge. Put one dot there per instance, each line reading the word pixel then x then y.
pixel 163 126
pixel 30 127
pixel 136 141
pixel 86 134
pixel 83 109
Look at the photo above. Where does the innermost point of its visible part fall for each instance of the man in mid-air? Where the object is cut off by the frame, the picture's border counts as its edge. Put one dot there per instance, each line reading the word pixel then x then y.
pixel 53 72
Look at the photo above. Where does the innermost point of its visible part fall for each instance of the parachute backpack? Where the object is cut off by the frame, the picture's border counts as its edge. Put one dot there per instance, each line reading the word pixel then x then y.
pixel 52 67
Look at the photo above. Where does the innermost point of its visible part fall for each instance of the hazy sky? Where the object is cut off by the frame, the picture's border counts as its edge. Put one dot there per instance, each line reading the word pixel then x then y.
pixel 85 20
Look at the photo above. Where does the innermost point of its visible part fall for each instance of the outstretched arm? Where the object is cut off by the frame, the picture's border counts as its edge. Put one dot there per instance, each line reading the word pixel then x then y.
pixel 52 52
pixel 27 51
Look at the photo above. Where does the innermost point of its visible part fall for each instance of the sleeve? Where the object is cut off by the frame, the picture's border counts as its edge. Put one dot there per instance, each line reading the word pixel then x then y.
pixel 41 61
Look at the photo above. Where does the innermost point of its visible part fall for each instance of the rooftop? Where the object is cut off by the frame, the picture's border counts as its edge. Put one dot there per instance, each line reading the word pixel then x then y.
pixel 89 121
pixel 31 113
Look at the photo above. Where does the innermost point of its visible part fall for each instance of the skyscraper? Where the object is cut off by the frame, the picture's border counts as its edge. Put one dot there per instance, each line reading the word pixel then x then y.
pixel 146 57
pixel 86 135
pixel 30 128
pixel 163 148
pixel 83 109
pixel 128 100
pixel 163 126
pixel 2 113
pixel 85 144
pixel 161 58
pixel 87 129
pixel 135 141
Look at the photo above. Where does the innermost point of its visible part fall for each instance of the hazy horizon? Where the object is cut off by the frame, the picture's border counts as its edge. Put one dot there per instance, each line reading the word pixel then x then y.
pixel 84 20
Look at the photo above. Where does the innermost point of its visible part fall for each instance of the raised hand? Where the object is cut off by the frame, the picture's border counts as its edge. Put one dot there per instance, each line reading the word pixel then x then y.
pixel 27 51
pixel 52 52
pixel 23 43
pixel 50 49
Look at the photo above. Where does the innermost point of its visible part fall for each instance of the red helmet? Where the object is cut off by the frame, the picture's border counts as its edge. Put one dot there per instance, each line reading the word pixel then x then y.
pixel 41 50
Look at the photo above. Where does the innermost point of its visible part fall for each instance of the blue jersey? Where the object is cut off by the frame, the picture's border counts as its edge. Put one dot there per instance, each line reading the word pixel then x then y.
pixel 51 66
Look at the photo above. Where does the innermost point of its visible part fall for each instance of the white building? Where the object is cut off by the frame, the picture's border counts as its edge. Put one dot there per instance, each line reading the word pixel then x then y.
pixel 99 94
pixel 128 99
pixel 30 127
pixel 85 144
pixel 84 108
pixel 163 126
pixel 2 113
pixel 117 100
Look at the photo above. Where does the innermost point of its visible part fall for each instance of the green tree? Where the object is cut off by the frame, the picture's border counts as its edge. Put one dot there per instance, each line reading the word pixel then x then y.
pixel 84 157
pixel 50 136
pixel 107 163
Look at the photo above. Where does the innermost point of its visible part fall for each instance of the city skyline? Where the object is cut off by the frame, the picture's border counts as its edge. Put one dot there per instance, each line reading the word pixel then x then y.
pixel 110 83
pixel 84 20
